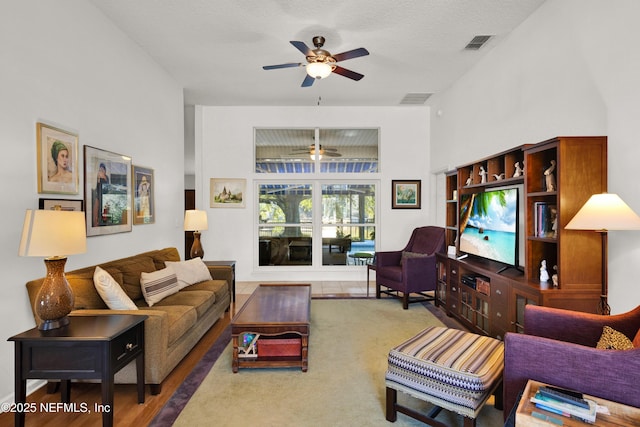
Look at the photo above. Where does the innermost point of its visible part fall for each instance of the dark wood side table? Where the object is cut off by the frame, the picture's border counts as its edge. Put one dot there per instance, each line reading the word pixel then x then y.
pixel 90 347
pixel 232 266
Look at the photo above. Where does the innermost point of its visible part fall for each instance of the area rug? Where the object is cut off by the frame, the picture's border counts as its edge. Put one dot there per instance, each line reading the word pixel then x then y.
pixel 344 386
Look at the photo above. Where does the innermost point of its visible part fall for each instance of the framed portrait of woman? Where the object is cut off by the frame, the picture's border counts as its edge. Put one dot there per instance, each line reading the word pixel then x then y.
pixel 57 160
pixel 107 198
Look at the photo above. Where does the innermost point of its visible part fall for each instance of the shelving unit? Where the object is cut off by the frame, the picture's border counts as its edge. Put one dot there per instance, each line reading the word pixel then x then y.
pixel 574 255
pixel 452 208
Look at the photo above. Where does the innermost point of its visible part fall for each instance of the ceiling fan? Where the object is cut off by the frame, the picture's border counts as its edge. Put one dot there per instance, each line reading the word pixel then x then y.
pixel 321 63
pixel 321 151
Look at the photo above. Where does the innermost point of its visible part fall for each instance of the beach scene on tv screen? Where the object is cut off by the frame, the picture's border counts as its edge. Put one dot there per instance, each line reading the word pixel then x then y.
pixel 488 224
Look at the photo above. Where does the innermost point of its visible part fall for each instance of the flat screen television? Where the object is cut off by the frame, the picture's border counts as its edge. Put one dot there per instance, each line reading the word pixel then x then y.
pixel 489 225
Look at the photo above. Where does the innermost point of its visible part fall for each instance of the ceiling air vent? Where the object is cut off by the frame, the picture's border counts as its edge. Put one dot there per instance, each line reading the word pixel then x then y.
pixel 477 42
pixel 415 98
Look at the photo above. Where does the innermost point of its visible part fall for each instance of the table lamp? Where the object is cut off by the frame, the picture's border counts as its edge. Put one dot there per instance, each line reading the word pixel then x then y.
pixel 602 213
pixel 196 221
pixel 53 234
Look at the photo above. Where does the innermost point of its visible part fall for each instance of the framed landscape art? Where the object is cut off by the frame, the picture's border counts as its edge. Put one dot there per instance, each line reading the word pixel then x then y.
pixel 57 160
pixel 107 197
pixel 405 194
pixel 227 192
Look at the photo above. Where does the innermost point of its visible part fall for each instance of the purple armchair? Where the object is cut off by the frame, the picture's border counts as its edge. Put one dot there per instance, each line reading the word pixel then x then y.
pixel 558 348
pixel 413 269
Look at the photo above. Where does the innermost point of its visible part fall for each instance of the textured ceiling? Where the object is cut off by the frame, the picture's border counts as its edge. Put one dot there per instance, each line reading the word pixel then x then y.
pixel 215 49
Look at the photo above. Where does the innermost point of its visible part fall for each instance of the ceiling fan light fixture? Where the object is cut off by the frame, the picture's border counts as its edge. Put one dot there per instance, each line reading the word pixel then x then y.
pixel 319 70
pixel 312 154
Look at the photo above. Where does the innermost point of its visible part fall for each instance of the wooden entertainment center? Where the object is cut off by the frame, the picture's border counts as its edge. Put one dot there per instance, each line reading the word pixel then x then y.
pixel 495 305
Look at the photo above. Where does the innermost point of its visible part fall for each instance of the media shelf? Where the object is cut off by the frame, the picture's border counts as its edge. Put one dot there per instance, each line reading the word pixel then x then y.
pixel 579 170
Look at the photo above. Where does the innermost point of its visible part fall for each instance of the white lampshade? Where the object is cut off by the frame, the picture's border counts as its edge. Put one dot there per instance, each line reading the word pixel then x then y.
pixel 195 220
pixel 319 70
pixel 48 233
pixel 604 212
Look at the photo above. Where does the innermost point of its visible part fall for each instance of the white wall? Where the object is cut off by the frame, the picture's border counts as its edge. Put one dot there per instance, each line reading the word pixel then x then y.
pixel 65 64
pixel 224 149
pixel 570 69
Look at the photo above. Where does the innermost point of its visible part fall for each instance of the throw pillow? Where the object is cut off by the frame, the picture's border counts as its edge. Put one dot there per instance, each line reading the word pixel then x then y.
pixel 407 254
pixel 613 340
pixel 110 291
pixel 158 285
pixel 189 272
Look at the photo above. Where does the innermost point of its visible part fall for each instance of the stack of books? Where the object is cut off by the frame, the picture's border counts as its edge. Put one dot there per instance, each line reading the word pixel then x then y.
pixel 567 403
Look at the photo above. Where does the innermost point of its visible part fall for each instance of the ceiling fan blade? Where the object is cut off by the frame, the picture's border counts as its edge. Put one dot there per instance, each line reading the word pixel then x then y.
pixel 333 154
pixel 288 65
pixel 348 73
pixel 350 54
pixel 308 81
pixel 302 47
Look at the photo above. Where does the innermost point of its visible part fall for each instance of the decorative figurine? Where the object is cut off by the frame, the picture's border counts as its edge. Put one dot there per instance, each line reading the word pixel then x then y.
pixel 550 178
pixel 498 177
pixel 519 170
pixel 544 275
pixel 469 180
pixel 483 175
pixel 554 277
pixel 553 211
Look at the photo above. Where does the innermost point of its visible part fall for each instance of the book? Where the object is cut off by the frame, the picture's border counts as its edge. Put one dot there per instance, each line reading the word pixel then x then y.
pixel 566 409
pixel 544 219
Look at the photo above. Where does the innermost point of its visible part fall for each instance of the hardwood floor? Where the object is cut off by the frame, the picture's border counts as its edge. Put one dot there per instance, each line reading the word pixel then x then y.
pixel 127 411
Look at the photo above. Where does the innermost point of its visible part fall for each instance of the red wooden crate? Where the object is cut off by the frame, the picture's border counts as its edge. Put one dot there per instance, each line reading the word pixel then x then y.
pixel 279 347
pixel 483 286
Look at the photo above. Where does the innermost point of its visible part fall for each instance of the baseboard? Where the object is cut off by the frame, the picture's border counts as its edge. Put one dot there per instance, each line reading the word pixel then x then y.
pixel 32 385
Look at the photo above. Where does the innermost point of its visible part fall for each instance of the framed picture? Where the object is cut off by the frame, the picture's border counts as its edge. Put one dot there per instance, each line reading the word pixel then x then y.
pixel 61 204
pixel 107 192
pixel 227 192
pixel 57 160
pixel 143 209
pixel 405 194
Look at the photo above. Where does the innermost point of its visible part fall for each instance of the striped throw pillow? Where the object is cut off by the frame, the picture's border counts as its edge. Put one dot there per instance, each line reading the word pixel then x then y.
pixel 158 285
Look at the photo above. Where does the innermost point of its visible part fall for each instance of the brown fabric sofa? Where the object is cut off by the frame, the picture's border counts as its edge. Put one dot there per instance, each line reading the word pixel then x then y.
pixel 174 325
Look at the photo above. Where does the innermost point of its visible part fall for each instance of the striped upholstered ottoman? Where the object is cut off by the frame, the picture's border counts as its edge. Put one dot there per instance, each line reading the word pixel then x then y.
pixel 453 369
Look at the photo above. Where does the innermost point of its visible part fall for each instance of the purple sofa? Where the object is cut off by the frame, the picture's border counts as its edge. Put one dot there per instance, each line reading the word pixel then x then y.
pixel 412 269
pixel 558 347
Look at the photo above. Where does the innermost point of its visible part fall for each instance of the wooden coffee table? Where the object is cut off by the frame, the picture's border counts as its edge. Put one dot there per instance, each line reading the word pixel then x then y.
pixel 276 319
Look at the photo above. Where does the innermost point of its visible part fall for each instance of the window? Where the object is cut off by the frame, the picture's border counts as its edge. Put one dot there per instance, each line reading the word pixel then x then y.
pixel 285 224
pixel 307 150
pixel 340 213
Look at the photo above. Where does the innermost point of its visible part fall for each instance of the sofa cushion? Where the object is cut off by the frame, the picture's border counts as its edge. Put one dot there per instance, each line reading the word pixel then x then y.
pixel 111 292
pixel 181 318
pixel 130 270
pixel 85 294
pixel 160 256
pixel 200 300
pixel 190 272
pixel 220 288
pixel 158 285
pixel 636 340
pixel 613 340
